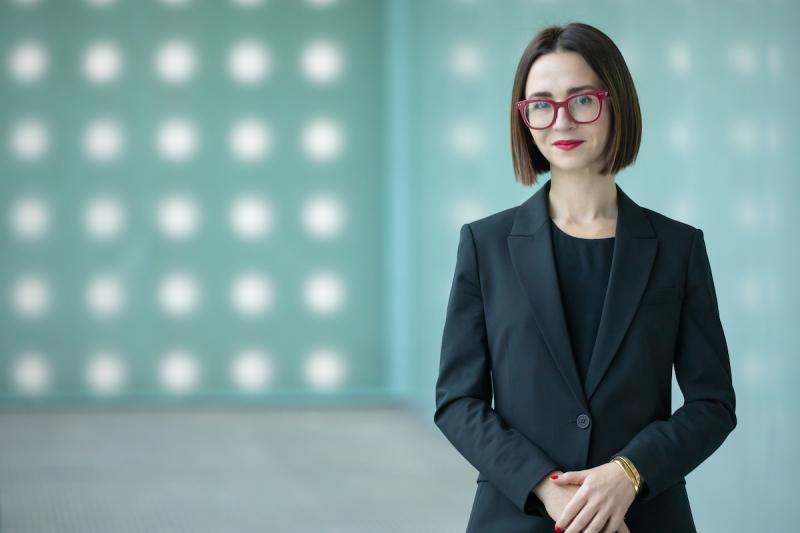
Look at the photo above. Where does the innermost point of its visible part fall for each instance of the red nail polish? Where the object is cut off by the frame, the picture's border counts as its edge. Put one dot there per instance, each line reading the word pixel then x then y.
pixel 557 528
pixel 554 476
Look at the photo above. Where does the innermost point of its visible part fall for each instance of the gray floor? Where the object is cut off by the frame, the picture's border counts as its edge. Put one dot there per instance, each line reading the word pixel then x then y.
pixel 328 470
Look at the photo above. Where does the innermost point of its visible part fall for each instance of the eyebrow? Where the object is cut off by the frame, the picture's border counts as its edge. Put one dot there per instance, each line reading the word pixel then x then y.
pixel 569 91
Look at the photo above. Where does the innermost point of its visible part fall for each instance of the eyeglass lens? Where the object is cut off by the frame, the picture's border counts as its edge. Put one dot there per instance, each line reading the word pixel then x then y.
pixel 583 108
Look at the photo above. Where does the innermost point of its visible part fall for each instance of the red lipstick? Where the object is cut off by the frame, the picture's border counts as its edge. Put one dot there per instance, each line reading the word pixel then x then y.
pixel 569 144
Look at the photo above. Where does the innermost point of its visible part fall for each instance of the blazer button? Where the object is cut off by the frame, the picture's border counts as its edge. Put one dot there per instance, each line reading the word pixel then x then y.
pixel 583 421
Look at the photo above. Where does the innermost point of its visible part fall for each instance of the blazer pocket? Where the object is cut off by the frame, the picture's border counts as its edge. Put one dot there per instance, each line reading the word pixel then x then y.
pixel 660 295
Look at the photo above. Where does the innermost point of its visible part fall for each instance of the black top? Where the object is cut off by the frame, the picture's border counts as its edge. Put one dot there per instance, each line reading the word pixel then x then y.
pixel 583 267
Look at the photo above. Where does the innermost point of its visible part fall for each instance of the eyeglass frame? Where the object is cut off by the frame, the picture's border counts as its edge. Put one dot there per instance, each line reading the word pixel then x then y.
pixel 600 94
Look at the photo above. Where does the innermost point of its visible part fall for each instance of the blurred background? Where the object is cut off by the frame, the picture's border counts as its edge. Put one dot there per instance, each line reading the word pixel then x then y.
pixel 229 230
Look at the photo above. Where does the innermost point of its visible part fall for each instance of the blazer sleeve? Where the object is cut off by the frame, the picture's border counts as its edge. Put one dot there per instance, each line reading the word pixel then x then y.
pixel 665 451
pixel 464 414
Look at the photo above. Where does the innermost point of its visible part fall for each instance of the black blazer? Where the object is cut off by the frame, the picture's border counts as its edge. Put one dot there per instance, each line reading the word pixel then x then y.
pixel 505 338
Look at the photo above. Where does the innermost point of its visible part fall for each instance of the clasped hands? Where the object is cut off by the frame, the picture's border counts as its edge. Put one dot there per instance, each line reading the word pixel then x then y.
pixel 588 501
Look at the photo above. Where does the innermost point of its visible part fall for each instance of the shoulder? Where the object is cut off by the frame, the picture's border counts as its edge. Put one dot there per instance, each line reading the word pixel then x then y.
pixel 670 229
pixel 678 242
pixel 494 225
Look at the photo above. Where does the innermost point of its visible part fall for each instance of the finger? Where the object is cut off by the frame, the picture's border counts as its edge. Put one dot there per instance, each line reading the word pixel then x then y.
pixel 580 523
pixel 560 478
pixel 623 528
pixel 612 526
pixel 598 523
pixel 574 505
pixel 568 478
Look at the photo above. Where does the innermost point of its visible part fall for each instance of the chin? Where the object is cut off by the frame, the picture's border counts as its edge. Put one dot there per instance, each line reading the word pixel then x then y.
pixel 569 161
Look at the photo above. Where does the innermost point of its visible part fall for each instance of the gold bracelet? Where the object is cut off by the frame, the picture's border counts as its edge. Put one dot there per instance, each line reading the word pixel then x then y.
pixel 633 469
pixel 630 471
pixel 636 474
pixel 627 472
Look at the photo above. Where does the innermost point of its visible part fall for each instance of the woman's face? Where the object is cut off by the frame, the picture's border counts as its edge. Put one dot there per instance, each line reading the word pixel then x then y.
pixel 556 73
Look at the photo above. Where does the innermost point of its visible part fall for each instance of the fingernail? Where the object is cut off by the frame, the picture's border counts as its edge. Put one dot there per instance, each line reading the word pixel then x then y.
pixel 554 476
pixel 557 528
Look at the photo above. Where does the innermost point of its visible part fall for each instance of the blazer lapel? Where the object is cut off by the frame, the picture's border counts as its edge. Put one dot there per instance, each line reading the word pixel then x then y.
pixel 531 251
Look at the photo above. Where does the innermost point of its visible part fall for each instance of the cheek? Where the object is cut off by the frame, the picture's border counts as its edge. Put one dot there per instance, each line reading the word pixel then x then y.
pixel 605 121
pixel 601 129
pixel 537 140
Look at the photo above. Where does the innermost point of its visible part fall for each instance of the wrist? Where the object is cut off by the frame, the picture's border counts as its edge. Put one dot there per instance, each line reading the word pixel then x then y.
pixel 629 471
pixel 545 484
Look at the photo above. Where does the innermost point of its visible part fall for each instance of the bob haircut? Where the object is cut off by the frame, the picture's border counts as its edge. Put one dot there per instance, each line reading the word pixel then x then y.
pixel 606 60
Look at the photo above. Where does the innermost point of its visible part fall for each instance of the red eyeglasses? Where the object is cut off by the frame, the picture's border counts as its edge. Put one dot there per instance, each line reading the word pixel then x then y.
pixel 583 108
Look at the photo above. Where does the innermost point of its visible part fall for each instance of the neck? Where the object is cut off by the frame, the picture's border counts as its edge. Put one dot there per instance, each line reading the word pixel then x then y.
pixel 582 200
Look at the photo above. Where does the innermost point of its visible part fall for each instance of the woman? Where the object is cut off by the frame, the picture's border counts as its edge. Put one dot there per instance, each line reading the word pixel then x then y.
pixel 570 311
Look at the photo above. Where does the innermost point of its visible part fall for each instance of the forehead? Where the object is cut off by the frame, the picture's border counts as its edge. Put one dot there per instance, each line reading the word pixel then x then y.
pixel 558 71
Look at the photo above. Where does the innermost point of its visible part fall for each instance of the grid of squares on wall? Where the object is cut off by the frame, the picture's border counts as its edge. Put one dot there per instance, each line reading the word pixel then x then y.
pixel 190 198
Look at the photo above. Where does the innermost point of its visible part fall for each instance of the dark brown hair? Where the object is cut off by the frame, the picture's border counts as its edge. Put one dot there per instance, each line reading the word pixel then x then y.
pixel 606 60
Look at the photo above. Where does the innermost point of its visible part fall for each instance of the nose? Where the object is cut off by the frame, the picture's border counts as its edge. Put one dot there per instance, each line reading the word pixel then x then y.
pixel 562 118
